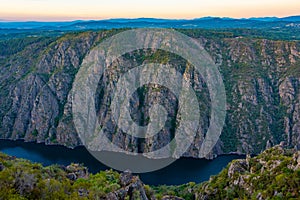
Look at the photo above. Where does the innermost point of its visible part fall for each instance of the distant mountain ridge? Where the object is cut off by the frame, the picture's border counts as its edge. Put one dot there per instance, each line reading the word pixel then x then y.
pixel 274 19
pixel 204 22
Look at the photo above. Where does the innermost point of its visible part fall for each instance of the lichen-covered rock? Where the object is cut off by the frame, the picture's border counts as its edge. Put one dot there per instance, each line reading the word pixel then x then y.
pixel 237 167
pixel 126 178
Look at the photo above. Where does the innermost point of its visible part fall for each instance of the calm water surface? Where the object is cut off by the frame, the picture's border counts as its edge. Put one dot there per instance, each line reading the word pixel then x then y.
pixel 181 171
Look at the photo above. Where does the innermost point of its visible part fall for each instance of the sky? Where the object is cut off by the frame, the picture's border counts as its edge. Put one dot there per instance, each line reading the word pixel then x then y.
pixel 65 10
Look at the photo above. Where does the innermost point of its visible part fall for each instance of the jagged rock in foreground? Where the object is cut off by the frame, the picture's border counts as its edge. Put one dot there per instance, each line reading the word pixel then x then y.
pixel 21 179
pixel 132 187
pixel 274 174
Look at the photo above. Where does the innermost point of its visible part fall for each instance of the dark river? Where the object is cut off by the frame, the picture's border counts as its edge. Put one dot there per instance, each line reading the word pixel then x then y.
pixel 181 171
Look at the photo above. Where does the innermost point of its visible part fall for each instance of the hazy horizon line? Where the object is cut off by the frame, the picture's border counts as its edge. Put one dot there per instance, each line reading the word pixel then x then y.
pixel 132 18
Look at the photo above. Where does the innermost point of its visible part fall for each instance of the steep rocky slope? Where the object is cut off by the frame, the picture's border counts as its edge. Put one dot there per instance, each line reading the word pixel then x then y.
pixel 261 79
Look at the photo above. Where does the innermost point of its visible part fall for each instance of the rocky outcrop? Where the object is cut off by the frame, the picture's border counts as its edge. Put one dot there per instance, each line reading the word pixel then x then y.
pixel 132 187
pixel 272 174
pixel 261 78
pixel 75 171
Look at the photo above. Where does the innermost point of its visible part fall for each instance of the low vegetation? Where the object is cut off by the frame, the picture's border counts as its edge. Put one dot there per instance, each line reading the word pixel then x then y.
pixel 274 174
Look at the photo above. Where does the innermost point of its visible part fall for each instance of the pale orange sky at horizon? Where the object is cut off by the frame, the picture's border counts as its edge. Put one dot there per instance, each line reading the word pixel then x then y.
pixel 65 10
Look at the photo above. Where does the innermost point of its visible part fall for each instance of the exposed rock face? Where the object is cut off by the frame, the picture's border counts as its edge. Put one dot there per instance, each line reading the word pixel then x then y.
pixel 288 91
pixel 261 78
pixel 239 166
